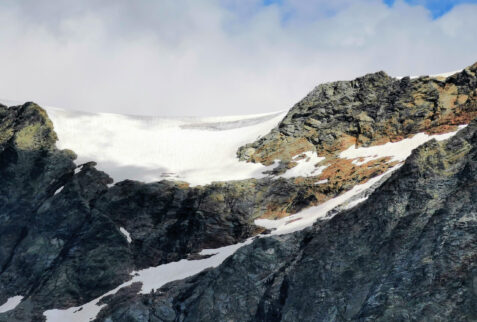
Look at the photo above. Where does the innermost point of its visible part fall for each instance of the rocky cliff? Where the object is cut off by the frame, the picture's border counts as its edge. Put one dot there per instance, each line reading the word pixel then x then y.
pixel 68 236
pixel 368 111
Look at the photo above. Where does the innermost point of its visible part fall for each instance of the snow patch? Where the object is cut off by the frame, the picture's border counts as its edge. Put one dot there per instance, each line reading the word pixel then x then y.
pixel 151 279
pixel 306 166
pixel 126 234
pixel 154 277
pixel 321 181
pixel 58 190
pixel 11 303
pixel 398 151
pixel 445 75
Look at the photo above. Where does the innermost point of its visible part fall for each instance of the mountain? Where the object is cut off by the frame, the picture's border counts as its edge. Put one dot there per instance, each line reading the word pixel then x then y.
pixel 408 253
pixel 332 215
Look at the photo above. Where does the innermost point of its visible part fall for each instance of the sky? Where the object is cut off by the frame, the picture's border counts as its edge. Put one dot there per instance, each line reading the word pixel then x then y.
pixel 437 8
pixel 219 57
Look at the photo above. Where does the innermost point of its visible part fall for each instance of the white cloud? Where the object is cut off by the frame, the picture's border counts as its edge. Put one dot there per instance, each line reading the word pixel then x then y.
pixel 215 57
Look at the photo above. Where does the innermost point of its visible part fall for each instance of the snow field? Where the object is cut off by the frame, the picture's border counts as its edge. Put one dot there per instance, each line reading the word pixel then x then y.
pixel 198 151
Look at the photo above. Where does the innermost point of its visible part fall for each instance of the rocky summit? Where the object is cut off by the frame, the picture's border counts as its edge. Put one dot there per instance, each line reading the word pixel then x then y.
pixel 356 239
pixel 369 110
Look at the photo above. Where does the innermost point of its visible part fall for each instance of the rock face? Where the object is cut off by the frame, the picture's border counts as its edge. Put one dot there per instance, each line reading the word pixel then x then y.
pixel 46 239
pixel 408 253
pixel 370 110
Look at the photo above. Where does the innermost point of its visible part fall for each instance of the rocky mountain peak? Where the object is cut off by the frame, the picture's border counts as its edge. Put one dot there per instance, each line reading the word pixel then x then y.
pixel 370 110
pixel 393 238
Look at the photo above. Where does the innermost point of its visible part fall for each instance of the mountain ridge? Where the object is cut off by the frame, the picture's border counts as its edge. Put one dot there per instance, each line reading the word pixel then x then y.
pixel 333 116
pixel 68 236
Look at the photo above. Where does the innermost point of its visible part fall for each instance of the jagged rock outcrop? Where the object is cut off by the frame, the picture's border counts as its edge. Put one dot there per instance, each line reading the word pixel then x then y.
pixel 408 253
pixel 373 109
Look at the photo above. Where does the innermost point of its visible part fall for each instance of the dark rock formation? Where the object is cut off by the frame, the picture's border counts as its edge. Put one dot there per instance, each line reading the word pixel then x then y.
pixel 48 240
pixel 408 253
pixel 372 109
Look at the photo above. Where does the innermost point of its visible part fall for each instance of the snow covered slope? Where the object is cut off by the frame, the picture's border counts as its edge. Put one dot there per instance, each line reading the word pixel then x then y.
pixel 195 150
pixel 151 278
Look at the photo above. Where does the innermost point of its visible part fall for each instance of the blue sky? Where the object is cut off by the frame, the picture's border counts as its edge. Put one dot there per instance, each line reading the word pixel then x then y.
pixel 437 8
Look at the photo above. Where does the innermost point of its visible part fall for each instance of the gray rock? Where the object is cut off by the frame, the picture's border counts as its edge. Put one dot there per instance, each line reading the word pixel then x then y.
pixel 408 253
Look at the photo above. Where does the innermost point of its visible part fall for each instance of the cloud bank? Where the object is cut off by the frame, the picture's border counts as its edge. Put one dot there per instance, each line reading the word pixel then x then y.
pixel 216 57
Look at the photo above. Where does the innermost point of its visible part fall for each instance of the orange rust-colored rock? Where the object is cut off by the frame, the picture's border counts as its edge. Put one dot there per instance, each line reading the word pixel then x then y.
pixel 441 129
pixel 341 144
pixel 284 150
pixel 342 171
pixel 341 175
